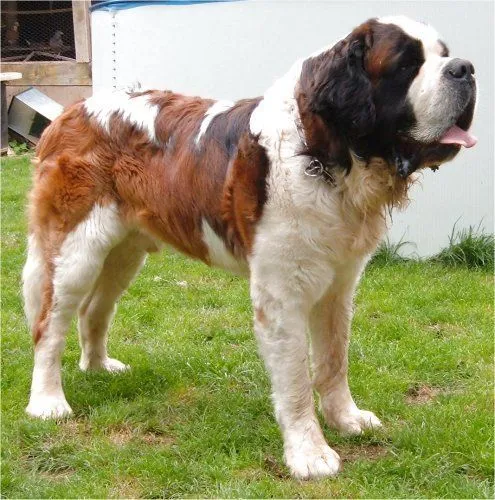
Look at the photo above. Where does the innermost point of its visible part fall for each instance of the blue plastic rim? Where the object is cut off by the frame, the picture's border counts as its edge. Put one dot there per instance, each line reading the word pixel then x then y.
pixel 122 4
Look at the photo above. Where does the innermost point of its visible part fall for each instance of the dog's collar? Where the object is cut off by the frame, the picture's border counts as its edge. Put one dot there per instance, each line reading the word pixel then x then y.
pixel 315 168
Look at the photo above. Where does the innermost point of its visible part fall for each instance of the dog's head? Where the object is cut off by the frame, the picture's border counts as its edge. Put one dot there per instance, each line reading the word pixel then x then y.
pixel 389 89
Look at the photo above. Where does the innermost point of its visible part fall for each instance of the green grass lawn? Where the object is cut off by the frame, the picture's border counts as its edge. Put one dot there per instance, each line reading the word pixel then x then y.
pixel 194 418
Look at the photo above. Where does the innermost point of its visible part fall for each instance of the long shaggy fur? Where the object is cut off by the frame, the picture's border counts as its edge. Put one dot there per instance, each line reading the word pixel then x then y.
pixel 120 175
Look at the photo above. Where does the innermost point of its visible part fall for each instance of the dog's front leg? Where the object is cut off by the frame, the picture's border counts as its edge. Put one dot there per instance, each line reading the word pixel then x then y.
pixel 280 321
pixel 330 321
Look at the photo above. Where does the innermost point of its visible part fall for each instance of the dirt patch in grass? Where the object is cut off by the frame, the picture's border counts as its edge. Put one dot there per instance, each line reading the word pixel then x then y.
pixel 57 475
pixel 361 451
pixel 275 468
pixel 157 438
pixel 75 427
pixel 443 329
pixel 183 395
pixel 122 435
pixel 50 456
pixel 125 487
pixel 422 394
pixel 49 462
pixel 250 473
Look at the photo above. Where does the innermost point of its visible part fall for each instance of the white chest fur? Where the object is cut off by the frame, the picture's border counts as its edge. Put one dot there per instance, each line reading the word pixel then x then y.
pixel 309 228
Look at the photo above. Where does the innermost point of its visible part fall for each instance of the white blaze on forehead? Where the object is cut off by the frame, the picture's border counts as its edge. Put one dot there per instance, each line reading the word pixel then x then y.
pixel 425 92
pixel 420 31
pixel 138 110
pixel 216 109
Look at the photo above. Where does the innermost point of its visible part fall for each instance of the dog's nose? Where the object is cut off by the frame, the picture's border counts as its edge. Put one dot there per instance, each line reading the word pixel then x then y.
pixel 459 69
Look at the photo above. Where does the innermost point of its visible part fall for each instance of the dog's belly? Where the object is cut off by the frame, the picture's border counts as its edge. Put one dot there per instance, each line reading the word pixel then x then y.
pixel 217 254
pixel 220 256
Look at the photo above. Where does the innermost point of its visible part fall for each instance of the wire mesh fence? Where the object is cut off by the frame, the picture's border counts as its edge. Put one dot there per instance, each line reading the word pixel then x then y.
pixel 37 31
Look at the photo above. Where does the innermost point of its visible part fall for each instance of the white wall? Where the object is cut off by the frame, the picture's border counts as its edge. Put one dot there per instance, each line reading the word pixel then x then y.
pixel 234 50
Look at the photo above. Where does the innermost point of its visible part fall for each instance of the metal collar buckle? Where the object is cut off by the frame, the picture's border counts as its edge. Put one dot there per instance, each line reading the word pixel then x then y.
pixel 315 168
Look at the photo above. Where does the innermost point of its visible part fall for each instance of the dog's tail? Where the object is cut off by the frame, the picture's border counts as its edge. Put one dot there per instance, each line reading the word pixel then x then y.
pixel 33 277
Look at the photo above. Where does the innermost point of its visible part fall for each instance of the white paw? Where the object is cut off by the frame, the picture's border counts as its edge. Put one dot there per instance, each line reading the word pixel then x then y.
pixel 354 421
pixel 108 364
pixel 312 463
pixel 48 407
pixel 114 365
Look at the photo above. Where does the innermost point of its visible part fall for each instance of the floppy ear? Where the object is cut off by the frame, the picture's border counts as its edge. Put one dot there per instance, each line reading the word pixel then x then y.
pixel 337 85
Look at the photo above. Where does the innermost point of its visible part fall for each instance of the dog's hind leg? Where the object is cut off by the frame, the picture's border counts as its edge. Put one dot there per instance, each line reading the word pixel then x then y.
pixel 98 307
pixel 71 269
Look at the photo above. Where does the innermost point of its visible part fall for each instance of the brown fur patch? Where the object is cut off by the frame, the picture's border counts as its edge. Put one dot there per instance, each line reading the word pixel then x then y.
pixel 381 58
pixel 69 178
pixel 166 189
pixel 260 316
pixel 244 194
pixel 322 141
pixel 387 43
pixel 227 128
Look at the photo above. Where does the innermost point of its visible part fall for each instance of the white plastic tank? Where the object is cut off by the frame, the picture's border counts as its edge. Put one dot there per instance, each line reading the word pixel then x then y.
pixel 235 49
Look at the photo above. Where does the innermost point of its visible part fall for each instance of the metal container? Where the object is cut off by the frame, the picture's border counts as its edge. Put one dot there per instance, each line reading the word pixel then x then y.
pixel 30 112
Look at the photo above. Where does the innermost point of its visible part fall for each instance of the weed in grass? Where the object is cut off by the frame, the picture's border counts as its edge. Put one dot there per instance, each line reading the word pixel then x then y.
pixel 469 247
pixel 19 148
pixel 389 253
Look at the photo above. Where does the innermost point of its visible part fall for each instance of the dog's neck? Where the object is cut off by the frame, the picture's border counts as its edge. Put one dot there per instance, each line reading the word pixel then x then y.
pixel 373 186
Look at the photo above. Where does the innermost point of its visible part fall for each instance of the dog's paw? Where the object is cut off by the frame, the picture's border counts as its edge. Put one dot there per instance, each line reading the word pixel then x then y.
pixel 353 421
pixel 114 366
pixel 107 364
pixel 45 407
pixel 312 463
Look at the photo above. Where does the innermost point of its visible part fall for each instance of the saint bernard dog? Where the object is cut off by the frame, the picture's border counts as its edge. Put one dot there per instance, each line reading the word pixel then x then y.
pixel 291 189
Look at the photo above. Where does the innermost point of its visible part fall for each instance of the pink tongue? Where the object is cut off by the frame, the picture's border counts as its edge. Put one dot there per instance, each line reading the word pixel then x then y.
pixel 456 135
